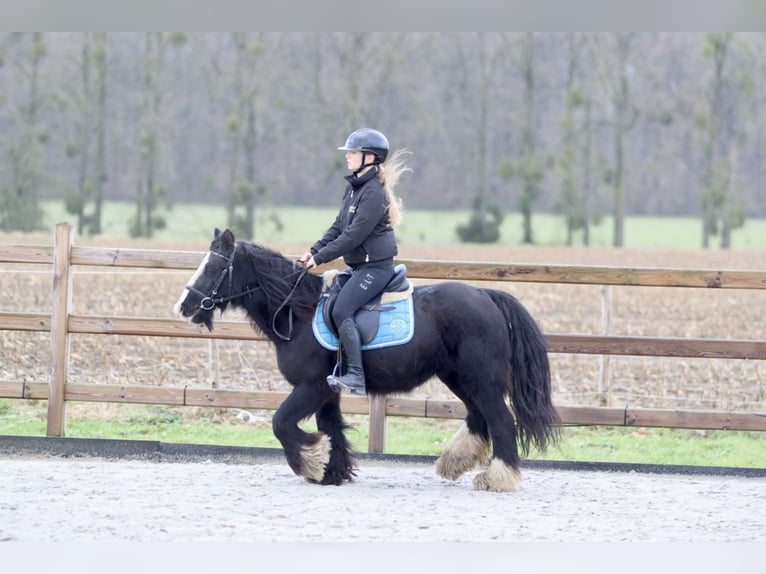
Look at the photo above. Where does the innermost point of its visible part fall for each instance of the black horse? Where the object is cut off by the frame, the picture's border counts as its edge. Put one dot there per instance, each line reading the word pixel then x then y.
pixel 482 343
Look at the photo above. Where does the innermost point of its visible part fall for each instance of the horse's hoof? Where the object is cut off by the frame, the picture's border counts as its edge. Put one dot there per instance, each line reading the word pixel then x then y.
pixel 327 480
pixel 333 479
pixel 314 458
pixel 452 467
pixel 499 477
pixel 335 476
pixel 463 452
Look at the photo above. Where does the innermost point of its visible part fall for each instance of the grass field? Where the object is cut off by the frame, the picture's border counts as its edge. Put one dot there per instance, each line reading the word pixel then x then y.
pixel 193 223
pixel 405 435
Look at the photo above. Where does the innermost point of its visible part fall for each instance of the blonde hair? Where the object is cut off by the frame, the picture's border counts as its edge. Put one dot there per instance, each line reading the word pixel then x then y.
pixel 389 174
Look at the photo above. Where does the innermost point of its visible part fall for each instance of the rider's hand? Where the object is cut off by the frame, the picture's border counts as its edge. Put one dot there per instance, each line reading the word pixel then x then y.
pixel 307 260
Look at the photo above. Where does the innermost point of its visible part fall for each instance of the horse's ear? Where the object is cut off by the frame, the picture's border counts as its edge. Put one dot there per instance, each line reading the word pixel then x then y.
pixel 216 233
pixel 227 238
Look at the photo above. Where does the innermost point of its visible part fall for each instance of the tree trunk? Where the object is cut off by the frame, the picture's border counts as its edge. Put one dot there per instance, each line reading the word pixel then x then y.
pixel 531 176
pixel 619 189
pixel 249 148
pixel 587 184
pixel 481 154
pixel 711 196
pixel 84 136
pixel 623 122
pixel 101 174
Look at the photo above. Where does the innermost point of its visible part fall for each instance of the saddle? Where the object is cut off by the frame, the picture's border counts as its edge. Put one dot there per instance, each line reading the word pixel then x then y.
pixel 395 299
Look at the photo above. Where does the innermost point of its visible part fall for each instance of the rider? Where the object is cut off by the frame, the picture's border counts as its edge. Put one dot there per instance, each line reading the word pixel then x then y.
pixel 363 234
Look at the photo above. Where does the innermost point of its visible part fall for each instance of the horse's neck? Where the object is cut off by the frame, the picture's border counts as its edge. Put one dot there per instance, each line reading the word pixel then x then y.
pixel 262 310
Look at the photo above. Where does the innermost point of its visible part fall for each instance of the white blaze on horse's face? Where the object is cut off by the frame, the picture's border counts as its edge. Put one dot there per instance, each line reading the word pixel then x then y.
pixel 178 307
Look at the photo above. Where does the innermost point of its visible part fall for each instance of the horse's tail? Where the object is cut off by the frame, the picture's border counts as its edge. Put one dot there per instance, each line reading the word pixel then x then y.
pixel 538 421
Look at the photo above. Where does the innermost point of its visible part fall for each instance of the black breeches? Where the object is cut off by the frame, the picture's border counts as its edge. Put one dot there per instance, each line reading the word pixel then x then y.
pixel 363 285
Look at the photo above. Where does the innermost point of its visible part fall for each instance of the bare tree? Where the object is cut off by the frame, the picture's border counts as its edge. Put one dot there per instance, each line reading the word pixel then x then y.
pixel 89 101
pixel 20 187
pixel 528 168
pixel 243 187
pixel 483 225
pixel 150 190
pixel 717 46
pixel 574 163
pixel 101 177
pixel 616 74
pixel 721 209
pixel 531 168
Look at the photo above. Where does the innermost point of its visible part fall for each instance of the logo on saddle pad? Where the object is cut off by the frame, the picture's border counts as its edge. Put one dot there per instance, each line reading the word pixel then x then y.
pixel 387 320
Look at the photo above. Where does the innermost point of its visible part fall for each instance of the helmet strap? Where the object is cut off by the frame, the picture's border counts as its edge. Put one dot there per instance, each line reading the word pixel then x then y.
pixel 375 161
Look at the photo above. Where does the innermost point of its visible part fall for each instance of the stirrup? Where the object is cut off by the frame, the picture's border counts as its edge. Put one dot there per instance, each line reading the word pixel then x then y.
pixel 337 384
pixel 332 379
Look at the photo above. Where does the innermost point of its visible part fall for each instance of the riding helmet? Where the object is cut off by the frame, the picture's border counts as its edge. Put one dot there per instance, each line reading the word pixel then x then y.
pixel 368 140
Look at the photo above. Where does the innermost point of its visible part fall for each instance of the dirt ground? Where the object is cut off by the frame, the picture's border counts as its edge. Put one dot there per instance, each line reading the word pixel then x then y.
pixel 91 499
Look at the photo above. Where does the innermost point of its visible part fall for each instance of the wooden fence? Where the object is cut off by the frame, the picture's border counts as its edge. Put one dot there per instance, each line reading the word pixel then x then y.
pixel 61 322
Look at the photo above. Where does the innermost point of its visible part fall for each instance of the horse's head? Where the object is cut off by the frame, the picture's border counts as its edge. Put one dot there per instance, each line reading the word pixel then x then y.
pixel 210 286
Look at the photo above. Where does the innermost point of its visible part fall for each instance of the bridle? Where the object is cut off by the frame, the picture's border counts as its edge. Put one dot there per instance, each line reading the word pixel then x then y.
pixel 208 302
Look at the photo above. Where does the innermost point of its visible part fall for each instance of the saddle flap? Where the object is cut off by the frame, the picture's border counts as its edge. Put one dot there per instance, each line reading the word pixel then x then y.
pixel 379 325
pixel 366 318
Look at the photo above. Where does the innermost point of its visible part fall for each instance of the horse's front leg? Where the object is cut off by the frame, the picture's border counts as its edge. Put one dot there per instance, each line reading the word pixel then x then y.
pixel 307 453
pixel 330 421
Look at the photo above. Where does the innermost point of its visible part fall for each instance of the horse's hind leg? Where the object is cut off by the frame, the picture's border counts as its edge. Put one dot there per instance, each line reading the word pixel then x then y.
pixel 341 464
pixel 467 449
pixel 503 474
pixel 307 453
pixel 499 477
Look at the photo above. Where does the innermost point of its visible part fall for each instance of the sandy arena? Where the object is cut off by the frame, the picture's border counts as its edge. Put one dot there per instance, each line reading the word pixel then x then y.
pixel 93 499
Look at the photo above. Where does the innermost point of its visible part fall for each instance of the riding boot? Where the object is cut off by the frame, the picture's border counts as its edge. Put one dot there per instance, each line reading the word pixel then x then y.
pixel 353 379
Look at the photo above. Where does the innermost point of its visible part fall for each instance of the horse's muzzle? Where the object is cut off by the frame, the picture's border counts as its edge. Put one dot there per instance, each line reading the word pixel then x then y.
pixel 203 317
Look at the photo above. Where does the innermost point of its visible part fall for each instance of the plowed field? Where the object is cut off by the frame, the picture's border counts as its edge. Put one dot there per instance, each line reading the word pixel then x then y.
pixel 560 309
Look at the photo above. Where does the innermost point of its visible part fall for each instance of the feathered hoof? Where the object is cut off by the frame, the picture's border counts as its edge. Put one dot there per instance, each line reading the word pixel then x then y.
pixel 314 458
pixel 336 478
pixel 340 469
pixel 499 477
pixel 463 452
pixel 453 467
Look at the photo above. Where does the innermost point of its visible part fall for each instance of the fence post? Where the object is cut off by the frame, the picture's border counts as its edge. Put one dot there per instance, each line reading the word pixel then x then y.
pixel 376 442
pixel 62 302
pixel 603 360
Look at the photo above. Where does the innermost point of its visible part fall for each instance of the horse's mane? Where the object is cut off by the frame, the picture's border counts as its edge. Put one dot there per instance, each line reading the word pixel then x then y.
pixel 277 277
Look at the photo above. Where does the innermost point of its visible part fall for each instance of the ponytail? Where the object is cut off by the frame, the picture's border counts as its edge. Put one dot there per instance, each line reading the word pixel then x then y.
pixel 389 174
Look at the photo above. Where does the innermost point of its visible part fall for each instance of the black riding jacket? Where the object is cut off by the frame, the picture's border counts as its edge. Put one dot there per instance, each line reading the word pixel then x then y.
pixel 362 231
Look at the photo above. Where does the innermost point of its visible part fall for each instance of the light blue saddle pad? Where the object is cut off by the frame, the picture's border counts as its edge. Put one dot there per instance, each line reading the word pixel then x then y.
pixel 396 326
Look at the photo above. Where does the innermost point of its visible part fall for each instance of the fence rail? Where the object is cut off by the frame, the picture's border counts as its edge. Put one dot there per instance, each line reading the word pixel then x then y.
pixel 573 344
pixel 61 322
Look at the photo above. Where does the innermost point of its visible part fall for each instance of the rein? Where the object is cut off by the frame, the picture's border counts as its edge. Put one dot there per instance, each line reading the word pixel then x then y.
pixel 290 310
pixel 208 302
